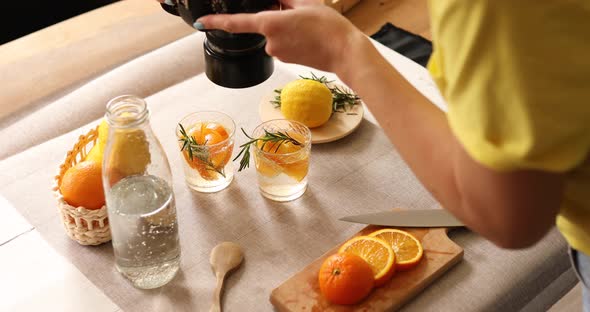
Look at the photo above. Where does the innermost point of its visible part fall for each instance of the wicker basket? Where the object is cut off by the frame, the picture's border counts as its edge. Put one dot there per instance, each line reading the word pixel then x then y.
pixel 85 226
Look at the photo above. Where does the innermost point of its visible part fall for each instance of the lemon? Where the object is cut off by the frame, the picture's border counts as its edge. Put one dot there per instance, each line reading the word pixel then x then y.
pixel 306 101
pixel 130 152
pixel 97 150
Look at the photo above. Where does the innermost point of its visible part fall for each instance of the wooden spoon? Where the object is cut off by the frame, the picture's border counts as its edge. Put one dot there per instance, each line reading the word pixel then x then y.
pixel 224 258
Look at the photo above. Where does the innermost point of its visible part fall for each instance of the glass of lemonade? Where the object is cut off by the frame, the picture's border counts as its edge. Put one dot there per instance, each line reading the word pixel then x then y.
pixel 206 142
pixel 282 166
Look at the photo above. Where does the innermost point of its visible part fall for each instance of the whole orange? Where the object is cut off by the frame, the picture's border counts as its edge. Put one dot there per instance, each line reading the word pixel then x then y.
pixel 81 185
pixel 345 278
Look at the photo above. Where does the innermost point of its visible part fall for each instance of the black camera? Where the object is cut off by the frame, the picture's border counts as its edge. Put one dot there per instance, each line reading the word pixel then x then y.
pixel 231 60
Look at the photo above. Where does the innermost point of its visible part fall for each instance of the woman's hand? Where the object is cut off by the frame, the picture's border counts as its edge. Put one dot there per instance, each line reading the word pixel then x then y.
pixel 309 33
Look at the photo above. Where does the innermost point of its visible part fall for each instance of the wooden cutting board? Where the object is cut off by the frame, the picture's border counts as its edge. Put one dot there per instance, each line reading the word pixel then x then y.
pixel 301 292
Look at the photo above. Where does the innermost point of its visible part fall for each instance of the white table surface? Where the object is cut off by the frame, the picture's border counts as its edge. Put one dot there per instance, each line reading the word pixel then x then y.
pixel 39 277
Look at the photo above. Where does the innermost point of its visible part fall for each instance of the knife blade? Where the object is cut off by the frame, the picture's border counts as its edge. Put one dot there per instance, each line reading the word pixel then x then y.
pixel 407 218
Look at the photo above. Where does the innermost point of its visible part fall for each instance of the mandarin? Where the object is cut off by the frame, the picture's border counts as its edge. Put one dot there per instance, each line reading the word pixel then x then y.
pixel 345 278
pixel 81 185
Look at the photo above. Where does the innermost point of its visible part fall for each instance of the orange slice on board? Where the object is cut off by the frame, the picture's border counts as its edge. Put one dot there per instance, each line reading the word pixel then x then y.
pixel 378 254
pixel 408 249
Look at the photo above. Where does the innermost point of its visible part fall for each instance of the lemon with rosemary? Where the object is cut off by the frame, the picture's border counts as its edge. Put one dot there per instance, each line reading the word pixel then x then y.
pixel 307 101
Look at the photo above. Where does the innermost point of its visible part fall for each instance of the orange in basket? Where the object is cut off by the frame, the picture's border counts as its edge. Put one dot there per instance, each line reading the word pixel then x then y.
pixel 85 225
pixel 82 185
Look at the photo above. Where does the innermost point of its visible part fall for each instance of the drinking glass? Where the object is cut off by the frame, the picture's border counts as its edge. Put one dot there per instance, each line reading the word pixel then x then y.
pixel 206 142
pixel 282 168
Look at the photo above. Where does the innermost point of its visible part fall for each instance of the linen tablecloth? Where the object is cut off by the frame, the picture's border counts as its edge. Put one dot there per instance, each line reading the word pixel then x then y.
pixel 360 173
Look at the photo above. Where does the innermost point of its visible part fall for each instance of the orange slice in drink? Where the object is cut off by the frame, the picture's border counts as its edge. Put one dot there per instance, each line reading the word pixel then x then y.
pixel 217 128
pixel 298 169
pixel 209 134
pixel 283 156
pixel 199 166
pixel 378 254
pixel 266 167
pixel 408 249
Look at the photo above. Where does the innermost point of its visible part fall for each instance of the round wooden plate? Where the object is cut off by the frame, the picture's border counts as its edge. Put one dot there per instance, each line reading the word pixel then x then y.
pixel 338 126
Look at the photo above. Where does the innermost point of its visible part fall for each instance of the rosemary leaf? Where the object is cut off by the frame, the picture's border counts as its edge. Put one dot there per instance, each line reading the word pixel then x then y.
pixel 278 138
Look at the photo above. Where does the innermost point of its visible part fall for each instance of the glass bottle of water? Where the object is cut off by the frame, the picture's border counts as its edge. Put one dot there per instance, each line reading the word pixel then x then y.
pixel 139 197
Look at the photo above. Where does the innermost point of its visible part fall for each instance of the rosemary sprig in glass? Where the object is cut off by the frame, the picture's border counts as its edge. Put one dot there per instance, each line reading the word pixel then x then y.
pixel 279 138
pixel 342 99
pixel 200 151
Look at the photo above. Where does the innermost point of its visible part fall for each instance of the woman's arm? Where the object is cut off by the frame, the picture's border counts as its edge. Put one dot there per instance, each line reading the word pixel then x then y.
pixel 512 209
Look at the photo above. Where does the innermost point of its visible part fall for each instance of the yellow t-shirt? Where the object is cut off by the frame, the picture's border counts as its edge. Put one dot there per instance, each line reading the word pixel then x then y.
pixel 516 76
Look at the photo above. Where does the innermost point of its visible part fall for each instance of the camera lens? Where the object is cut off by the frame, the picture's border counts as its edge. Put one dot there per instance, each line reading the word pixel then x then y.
pixel 231 60
pixel 236 60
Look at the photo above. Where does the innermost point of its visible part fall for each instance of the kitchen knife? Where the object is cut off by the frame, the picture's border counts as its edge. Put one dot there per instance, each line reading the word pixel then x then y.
pixel 408 218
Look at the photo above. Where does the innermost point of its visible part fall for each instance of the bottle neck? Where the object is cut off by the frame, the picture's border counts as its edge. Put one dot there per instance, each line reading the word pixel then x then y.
pixel 127 111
